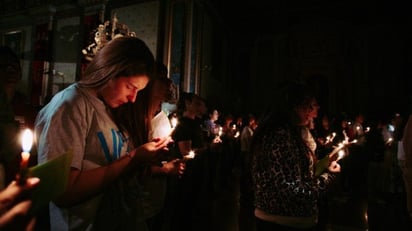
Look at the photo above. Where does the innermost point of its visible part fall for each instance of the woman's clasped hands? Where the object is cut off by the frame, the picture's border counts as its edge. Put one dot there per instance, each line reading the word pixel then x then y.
pixel 150 150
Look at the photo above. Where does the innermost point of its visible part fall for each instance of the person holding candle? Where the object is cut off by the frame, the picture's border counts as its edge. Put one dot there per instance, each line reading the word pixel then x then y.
pixel 14 209
pixel 79 119
pixel 145 120
pixel 215 158
pixel 189 136
pixel 211 126
pixel 286 190
pixel 16 112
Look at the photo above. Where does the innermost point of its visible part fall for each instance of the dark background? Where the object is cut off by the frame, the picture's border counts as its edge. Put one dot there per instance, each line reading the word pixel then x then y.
pixel 357 53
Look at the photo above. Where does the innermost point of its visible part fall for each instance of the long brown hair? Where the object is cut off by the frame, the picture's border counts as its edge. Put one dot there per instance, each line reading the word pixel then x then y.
pixel 123 56
pixel 136 117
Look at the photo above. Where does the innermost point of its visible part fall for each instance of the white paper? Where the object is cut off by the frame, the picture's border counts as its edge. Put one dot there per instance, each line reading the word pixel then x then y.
pixel 160 126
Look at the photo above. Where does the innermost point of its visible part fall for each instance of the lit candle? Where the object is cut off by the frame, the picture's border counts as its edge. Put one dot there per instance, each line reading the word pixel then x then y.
pixel 389 141
pixel 173 122
pixel 330 138
pixel 339 148
pixel 341 154
pixel 237 134
pixel 220 131
pixel 189 156
pixel 27 142
pixel 336 150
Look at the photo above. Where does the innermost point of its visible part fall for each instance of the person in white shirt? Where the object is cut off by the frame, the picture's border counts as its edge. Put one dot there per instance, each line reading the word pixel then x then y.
pixel 79 119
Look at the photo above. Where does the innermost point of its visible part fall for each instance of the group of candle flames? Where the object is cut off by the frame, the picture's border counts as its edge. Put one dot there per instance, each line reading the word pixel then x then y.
pixel 27 142
pixel 338 151
pixel 218 135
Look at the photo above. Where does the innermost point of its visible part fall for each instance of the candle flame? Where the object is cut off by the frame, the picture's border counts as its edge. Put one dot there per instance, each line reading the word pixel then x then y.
pixel 237 134
pixel 27 140
pixel 330 138
pixel 190 155
pixel 341 154
pixel 173 121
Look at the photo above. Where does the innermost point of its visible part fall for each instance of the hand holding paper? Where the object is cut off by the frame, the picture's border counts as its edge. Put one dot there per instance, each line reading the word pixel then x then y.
pixel 53 175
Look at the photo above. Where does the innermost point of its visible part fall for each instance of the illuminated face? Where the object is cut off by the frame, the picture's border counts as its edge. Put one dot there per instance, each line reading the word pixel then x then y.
pixel 123 90
pixel 214 115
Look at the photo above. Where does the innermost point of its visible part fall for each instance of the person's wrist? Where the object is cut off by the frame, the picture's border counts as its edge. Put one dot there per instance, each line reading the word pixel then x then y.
pixel 130 156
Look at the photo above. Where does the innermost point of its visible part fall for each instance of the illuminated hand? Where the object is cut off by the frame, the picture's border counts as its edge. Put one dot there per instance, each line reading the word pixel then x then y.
pixel 175 167
pixel 14 211
pixel 334 167
pixel 217 140
pixel 150 150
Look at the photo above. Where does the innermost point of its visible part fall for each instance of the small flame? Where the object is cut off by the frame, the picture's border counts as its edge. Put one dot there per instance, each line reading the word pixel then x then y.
pixel 27 140
pixel 237 134
pixel 341 154
pixel 173 122
pixel 191 155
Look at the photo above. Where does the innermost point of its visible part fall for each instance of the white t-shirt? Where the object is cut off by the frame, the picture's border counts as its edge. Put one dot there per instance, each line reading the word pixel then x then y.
pixel 77 120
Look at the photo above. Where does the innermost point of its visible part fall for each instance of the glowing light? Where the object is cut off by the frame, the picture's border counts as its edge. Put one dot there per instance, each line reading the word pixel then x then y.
pixel 173 122
pixel 27 140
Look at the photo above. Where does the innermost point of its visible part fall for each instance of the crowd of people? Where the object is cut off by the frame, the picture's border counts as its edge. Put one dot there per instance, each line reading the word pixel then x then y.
pixel 133 169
